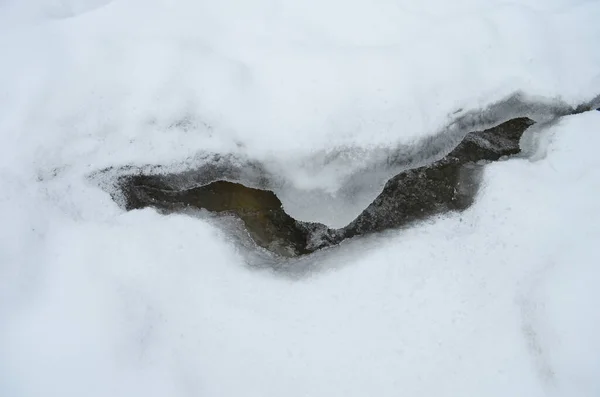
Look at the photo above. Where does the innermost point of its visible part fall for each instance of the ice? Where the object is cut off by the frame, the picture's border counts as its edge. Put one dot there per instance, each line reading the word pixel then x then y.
pixel 318 96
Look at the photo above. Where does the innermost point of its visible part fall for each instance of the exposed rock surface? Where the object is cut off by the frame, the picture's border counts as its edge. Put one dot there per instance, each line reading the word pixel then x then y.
pixel 446 185
pixel 416 194
pixel 260 210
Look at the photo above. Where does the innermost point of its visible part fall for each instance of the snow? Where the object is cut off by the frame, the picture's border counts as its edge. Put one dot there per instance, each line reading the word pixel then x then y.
pixel 95 301
pixel 497 301
pixel 316 91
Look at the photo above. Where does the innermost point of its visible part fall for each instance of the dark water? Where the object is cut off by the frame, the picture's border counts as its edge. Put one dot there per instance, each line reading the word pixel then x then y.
pixel 450 184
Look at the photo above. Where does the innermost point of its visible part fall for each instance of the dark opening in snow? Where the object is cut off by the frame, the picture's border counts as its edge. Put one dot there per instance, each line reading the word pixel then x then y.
pixel 449 184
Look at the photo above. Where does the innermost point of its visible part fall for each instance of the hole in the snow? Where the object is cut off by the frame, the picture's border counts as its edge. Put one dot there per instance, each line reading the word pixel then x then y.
pixel 260 210
pixel 449 184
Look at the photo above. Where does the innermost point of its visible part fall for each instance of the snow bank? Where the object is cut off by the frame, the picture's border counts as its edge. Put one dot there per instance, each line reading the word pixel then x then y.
pixel 97 302
pixel 313 90
pixel 497 301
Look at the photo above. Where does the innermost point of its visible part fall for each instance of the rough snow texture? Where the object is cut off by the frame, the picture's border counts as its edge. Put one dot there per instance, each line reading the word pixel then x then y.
pixel 318 92
pixel 499 301
pixel 98 302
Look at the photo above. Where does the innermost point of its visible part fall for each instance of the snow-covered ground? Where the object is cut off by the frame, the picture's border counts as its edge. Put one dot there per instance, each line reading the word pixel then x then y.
pixel 500 300
pixel 316 91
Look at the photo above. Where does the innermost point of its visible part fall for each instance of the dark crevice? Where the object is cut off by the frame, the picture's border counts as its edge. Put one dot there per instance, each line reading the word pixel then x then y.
pixel 260 210
pixel 449 184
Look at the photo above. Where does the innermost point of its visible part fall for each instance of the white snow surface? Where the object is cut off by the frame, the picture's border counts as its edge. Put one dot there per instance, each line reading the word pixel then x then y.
pixel 290 84
pixel 500 300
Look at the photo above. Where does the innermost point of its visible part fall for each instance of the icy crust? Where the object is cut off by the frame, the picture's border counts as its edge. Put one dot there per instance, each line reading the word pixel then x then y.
pixel 340 203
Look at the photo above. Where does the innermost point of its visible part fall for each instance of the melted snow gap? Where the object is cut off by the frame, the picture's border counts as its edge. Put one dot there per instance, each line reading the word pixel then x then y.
pixel 449 184
pixel 440 174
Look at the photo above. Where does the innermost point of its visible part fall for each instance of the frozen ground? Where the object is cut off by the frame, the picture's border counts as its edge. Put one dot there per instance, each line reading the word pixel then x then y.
pixel 94 301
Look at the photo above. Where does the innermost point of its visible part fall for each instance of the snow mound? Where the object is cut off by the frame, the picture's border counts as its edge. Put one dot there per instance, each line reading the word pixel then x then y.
pixel 496 302
pixel 313 91
pixel 148 81
pixel 97 302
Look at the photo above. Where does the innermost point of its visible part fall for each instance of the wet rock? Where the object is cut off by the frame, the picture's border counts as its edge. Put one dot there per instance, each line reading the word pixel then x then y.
pixel 450 184
pixel 260 210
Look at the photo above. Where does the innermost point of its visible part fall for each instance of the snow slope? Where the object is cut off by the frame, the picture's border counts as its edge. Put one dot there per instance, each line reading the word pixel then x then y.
pixel 316 91
pixel 498 301
pixel 98 302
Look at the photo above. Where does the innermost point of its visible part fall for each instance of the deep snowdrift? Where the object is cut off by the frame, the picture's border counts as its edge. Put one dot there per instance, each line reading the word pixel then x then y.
pixel 98 302
pixel 499 301
pixel 317 92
